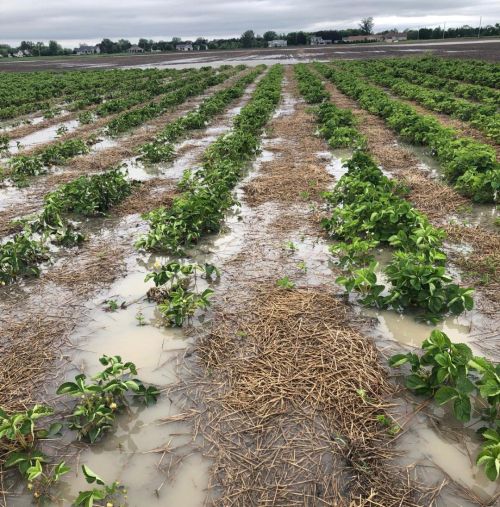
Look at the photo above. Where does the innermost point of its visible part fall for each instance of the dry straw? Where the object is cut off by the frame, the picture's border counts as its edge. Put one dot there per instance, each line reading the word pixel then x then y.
pixel 287 395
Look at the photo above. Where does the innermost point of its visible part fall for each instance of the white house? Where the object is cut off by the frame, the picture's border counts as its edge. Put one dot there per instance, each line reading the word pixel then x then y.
pixel 278 43
pixel 395 37
pixel 135 49
pixel 87 50
pixel 319 41
pixel 184 47
pixel 18 54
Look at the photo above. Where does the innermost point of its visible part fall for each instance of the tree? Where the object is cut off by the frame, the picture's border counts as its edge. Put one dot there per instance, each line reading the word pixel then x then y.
pixel 270 35
pixel 54 48
pixel 248 39
pixel 123 45
pixel 366 26
pixel 106 46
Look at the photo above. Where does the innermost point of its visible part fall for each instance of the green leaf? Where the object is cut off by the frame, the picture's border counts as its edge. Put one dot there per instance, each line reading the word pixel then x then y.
pixel 90 476
pixel 445 394
pixel 15 458
pixel 85 499
pixel 462 409
pixel 416 382
pixel 398 360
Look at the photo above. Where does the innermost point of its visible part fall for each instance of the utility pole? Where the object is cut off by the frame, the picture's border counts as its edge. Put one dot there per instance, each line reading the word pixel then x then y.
pixel 444 29
pixel 480 23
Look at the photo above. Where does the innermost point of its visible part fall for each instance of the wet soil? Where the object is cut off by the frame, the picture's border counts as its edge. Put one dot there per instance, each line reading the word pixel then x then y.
pixel 482 49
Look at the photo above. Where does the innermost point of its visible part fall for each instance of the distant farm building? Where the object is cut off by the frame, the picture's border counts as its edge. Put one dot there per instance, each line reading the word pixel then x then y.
pixel 395 37
pixel 279 43
pixel 363 38
pixel 87 50
pixel 184 47
pixel 135 49
pixel 319 41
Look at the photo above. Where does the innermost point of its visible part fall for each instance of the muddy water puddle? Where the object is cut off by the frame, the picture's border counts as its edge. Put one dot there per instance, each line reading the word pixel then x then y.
pixel 442 450
pixel 41 136
pixel 142 448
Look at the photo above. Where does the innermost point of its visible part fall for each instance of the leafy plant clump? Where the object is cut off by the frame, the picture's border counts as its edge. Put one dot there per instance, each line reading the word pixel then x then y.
pixel 368 209
pixel 106 395
pixel 450 373
pixel 107 495
pixel 19 436
pixel 91 195
pixel 20 257
pixel 176 290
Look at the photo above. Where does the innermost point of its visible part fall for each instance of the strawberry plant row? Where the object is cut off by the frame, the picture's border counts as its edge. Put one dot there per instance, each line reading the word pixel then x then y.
pixel 93 195
pixel 22 93
pixel 470 166
pixel 21 167
pixel 368 210
pixel 208 191
pixel 471 71
pixel 162 149
pixel 407 69
pixel 180 93
pixel 484 117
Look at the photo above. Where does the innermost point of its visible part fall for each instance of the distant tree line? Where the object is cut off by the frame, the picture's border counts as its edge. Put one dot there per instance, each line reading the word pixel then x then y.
pixel 251 40
pixel 53 48
pixel 451 33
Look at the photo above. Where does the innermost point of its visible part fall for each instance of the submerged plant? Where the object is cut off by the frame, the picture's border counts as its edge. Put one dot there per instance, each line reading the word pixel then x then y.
pixel 176 293
pixel 20 434
pixel 104 396
pixel 451 374
pixel 108 495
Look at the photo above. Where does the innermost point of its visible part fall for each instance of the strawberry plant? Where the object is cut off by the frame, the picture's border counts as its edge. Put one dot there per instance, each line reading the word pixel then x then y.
pixel 107 495
pixel 175 290
pixel 20 434
pixel 21 256
pixel 489 457
pixel 104 396
pixel 450 373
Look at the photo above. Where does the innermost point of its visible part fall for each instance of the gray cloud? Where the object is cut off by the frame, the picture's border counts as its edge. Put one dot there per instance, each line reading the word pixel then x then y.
pixel 91 20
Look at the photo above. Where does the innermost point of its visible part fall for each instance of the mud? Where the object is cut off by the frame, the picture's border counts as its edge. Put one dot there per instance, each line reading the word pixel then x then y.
pixel 486 49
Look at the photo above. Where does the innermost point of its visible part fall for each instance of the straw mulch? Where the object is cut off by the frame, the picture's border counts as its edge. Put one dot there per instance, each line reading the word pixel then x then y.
pixel 294 173
pixel 288 396
pixel 95 266
pixel 147 196
pixel 482 266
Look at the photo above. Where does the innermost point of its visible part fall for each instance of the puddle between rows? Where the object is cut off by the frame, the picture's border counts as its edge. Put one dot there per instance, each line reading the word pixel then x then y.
pixel 41 136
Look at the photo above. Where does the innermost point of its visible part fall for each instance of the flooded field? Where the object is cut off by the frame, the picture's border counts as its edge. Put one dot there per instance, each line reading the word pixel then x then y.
pixel 217 260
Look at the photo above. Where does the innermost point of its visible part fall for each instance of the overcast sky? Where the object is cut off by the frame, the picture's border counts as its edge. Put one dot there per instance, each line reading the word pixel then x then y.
pixel 73 21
